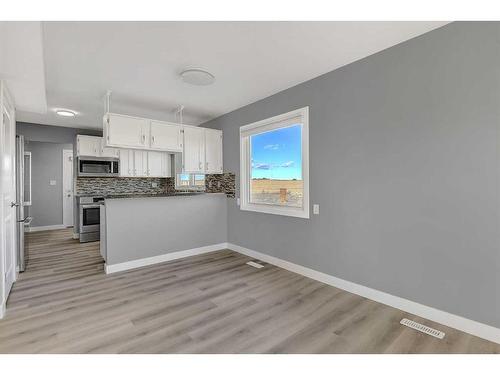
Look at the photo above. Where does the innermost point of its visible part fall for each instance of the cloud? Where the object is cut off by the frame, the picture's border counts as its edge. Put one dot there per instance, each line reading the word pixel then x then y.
pixel 287 164
pixel 272 147
pixel 261 166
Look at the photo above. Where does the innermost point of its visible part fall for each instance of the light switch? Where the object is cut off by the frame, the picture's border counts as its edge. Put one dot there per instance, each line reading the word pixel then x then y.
pixel 316 209
pixel 52 182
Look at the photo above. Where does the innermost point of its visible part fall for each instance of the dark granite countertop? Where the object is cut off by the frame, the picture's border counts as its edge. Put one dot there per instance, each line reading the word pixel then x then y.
pixel 179 194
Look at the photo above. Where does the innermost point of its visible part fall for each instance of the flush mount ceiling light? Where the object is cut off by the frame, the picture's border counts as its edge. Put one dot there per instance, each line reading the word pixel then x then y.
pixel 65 113
pixel 197 76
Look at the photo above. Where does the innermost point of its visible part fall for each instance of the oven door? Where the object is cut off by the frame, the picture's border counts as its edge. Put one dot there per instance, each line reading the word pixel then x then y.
pixel 90 218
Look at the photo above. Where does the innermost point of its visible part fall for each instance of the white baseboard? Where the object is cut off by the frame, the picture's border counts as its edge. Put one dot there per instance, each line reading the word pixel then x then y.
pixel 47 227
pixel 76 236
pixel 162 258
pixel 463 324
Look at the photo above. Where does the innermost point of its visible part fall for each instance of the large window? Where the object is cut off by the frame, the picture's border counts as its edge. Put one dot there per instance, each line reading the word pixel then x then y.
pixel 274 157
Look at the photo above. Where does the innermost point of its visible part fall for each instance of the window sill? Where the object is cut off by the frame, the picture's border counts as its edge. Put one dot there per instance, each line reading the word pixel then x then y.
pixel 276 210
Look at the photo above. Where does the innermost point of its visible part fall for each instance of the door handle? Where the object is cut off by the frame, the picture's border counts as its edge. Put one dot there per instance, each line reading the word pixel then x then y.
pixel 14 204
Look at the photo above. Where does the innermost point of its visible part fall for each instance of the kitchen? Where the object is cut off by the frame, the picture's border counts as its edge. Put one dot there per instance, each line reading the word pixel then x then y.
pixel 202 187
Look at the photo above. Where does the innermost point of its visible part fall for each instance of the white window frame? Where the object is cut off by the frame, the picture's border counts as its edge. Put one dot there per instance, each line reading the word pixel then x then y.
pixel 277 122
pixel 191 186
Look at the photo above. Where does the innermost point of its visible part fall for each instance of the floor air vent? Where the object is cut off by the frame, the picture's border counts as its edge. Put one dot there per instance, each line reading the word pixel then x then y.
pixel 422 328
pixel 254 264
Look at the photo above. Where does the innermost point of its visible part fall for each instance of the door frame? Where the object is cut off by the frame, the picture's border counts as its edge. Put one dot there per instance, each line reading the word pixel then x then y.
pixel 64 153
pixel 7 102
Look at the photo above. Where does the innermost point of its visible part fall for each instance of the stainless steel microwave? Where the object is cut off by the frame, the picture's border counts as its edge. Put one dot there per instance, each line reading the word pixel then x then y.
pixel 98 167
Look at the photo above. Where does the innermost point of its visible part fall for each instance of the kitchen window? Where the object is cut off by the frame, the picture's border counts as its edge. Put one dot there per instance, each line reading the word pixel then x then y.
pixel 190 181
pixel 274 165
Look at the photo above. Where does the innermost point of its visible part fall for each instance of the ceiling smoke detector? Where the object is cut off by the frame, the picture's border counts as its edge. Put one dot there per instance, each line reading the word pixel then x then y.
pixel 65 113
pixel 197 76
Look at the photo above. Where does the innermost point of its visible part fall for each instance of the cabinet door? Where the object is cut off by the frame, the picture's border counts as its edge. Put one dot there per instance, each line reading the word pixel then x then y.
pixel 140 163
pixel 194 150
pixel 126 163
pixel 109 152
pixel 155 164
pixel 213 151
pixel 166 136
pixel 126 131
pixel 88 145
pixel 167 165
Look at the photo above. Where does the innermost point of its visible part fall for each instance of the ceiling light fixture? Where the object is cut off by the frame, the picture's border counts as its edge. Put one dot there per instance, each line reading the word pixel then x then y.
pixel 197 76
pixel 65 113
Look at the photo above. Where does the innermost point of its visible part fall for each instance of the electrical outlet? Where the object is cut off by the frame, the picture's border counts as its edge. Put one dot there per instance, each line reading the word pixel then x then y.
pixel 52 182
pixel 238 201
pixel 154 184
pixel 316 209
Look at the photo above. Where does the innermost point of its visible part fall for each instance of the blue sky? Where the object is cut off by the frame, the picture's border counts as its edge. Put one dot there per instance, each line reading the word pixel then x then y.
pixel 277 154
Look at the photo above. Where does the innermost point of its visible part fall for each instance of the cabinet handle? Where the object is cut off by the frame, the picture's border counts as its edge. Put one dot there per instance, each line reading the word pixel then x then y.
pixel 135 170
pixel 199 165
pixel 143 138
pixel 129 172
pixel 206 166
pixel 153 139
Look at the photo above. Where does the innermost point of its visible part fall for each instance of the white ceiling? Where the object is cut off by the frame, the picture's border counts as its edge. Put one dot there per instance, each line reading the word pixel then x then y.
pixel 140 63
pixel 21 64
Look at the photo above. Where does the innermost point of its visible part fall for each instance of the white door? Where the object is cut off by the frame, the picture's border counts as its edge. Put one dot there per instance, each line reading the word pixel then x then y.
pixel 166 136
pixel 126 131
pixel 126 163
pixel 68 188
pixel 87 145
pixel 194 150
pixel 8 197
pixel 213 151
pixel 155 164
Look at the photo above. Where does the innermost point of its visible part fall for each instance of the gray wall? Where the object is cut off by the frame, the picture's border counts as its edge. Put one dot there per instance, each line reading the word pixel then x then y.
pixel 178 223
pixel 46 163
pixel 405 166
pixel 46 143
pixel 47 133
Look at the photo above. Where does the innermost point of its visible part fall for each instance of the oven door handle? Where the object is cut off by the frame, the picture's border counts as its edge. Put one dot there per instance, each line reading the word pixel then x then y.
pixel 96 205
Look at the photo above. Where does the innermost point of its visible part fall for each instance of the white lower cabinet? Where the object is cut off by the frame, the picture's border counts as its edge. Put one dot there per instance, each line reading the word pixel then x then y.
pixel 134 163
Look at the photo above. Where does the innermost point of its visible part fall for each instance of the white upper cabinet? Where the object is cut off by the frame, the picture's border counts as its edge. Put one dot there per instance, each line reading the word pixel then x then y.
pixel 158 164
pixel 125 131
pixel 140 163
pixel 126 163
pixel 87 145
pixel 109 152
pixel 193 156
pixel 213 151
pixel 166 136
pixel 136 163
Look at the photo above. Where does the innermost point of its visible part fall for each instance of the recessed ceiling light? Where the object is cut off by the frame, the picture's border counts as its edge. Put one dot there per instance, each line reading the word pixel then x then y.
pixel 65 113
pixel 197 76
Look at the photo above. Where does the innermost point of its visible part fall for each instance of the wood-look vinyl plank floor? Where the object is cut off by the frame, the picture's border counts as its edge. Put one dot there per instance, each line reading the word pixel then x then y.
pixel 210 303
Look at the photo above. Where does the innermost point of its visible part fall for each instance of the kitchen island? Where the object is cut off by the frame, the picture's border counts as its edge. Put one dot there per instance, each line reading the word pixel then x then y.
pixel 138 230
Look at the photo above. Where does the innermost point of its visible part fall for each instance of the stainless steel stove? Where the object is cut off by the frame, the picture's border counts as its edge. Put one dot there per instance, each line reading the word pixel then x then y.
pixel 90 217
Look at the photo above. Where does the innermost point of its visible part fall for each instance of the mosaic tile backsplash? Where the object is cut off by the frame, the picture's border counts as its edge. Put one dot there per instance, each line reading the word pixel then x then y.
pixel 121 185
pixel 214 183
